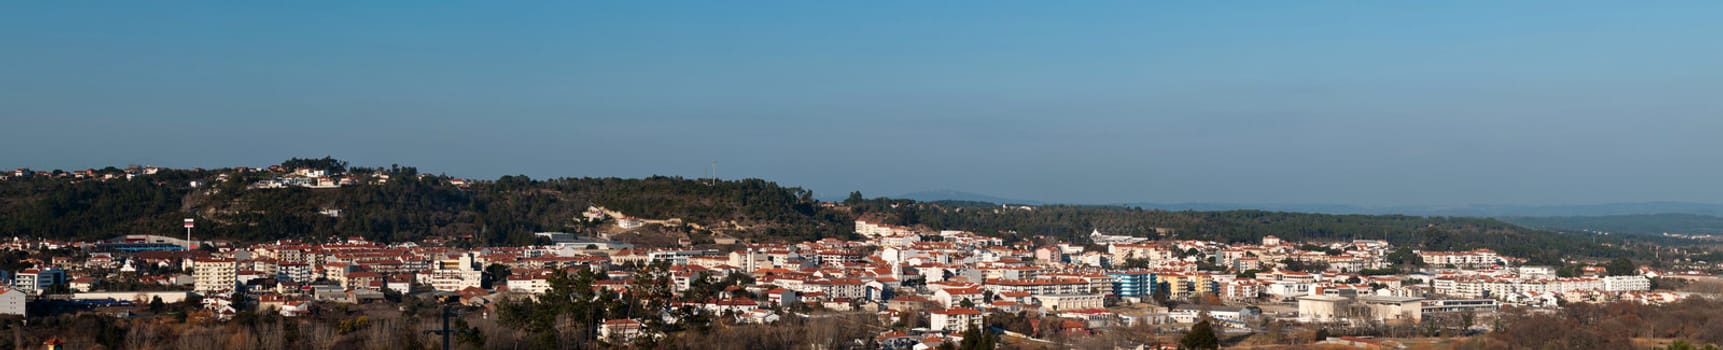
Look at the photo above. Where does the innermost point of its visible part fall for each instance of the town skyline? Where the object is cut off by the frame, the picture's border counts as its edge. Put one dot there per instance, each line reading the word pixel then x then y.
pixel 369 254
pixel 890 175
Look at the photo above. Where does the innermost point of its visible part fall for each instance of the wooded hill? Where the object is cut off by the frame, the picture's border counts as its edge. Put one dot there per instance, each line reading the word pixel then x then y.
pixel 406 207
pixel 410 207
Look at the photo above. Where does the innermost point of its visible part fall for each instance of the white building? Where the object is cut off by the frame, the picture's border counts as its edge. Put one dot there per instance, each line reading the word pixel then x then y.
pixel 1045 286
pixel 1537 271
pixel 619 329
pixel 399 283
pixel 1387 308
pixel 453 280
pixel 1071 302
pixel 1626 283
pixel 530 284
pixel 295 272
pixel 454 274
pixel 82 284
pixel 1286 290
pixel 1226 316
pixel 215 275
pixel 871 229
pixel 1476 257
pixel 629 223
pixel 954 319
pixel 1322 308
pixel 11 301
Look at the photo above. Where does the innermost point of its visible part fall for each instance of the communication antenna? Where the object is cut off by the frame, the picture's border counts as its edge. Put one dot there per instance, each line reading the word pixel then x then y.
pixel 712 174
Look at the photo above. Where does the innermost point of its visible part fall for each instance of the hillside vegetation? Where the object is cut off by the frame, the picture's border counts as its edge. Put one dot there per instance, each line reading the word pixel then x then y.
pixel 409 206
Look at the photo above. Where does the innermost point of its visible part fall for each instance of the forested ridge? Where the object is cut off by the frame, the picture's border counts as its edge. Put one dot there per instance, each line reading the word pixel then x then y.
pixel 407 206
pixel 410 206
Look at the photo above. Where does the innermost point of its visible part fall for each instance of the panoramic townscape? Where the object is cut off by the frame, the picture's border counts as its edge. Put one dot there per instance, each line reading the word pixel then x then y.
pixel 616 279
pixel 861 175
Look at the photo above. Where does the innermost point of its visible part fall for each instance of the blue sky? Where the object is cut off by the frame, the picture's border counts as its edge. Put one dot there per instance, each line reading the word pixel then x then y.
pixel 1369 103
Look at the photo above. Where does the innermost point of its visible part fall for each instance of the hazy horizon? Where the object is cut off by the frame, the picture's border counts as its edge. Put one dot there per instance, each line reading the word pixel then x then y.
pixel 1369 104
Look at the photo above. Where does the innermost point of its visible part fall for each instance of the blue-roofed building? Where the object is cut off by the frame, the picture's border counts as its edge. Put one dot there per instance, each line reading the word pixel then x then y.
pixel 1133 284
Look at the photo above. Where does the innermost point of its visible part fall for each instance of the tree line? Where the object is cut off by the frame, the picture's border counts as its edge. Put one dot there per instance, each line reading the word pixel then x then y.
pixel 1073 223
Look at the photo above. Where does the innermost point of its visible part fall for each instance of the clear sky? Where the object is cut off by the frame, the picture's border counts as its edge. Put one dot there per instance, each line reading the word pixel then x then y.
pixel 1348 102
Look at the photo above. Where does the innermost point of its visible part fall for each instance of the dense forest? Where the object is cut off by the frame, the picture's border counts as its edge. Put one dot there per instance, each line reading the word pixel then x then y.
pixel 410 206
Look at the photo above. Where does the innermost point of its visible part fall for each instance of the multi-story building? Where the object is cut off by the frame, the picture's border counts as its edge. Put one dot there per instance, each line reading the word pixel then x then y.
pixel 1242 289
pixel 337 272
pixel 1133 284
pixel 215 275
pixel 12 301
pixel 1045 286
pixel 1071 302
pixel 1626 283
pixel 838 287
pixel 453 280
pixel 530 282
pixel 954 319
pixel 1225 316
pixel 871 229
pixel 1122 252
pixel 1184 285
pixel 1476 257
pixel 37 281
pixel 1393 309
pixel 295 272
pixel 1490 286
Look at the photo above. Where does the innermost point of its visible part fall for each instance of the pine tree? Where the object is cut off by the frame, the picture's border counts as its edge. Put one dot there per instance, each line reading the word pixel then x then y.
pixel 978 338
pixel 1621 267
pixel 1201 336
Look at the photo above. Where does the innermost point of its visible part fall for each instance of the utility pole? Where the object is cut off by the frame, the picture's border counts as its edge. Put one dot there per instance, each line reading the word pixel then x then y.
pixel 446 332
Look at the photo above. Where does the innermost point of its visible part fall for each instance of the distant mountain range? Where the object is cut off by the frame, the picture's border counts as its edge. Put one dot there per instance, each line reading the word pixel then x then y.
pixel 1475 210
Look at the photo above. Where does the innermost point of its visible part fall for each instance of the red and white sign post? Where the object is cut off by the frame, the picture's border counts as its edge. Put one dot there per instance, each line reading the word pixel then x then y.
pixel 188 244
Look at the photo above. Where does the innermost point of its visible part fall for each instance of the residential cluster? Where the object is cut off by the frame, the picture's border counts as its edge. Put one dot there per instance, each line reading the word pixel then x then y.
pixel 937 283
pixel 130 172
